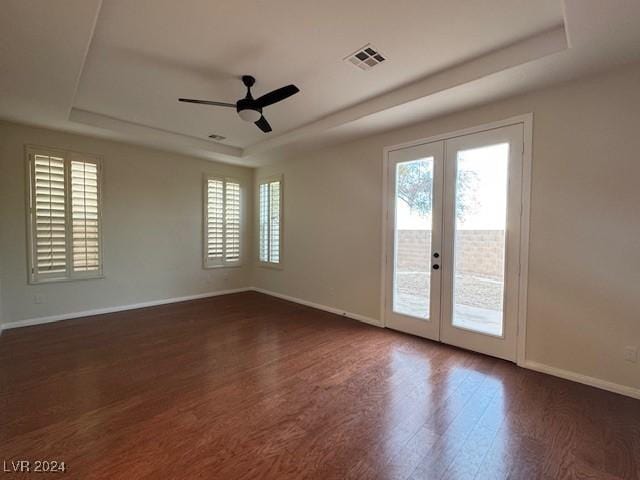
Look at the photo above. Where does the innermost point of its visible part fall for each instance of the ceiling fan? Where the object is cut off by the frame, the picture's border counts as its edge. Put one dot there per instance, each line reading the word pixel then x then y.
pixel 249 108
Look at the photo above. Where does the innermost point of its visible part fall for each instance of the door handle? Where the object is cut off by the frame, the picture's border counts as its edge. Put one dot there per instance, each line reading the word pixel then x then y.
pixel 436 266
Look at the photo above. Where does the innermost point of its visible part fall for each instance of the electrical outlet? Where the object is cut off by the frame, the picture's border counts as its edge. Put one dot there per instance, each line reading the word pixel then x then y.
pixel 38 299
pixel 631 354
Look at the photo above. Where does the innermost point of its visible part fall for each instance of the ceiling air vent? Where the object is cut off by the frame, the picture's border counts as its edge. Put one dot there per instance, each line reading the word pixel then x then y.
pixel 217 138
pixel 366 57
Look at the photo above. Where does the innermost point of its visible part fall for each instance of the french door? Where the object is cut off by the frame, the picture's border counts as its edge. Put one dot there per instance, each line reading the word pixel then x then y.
pixel 415 228
pixel 453 237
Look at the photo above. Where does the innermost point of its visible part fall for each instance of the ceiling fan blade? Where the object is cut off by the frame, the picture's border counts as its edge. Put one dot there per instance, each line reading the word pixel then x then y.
pixel 263 125
pixel 207 102
pixel 276 96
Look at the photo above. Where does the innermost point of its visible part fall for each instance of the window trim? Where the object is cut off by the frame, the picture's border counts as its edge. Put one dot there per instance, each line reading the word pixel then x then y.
pixel 205 194
pixel 262 181
pixel 33 278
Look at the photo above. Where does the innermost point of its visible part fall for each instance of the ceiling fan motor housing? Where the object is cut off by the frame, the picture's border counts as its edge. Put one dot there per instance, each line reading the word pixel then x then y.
pixel 248 110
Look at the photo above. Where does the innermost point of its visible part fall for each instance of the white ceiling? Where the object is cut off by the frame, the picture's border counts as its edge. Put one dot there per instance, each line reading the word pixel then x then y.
pixel 145 54
pixel 42 52
pixel 115 68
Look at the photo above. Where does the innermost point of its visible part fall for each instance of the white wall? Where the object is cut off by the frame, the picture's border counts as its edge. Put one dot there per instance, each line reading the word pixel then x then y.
pixel 584 270
pixel 152 228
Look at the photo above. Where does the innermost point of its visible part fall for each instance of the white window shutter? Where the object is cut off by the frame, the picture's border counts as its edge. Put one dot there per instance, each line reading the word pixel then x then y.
pixel 222 222
pixel 264 222
pixel 64 215
pixel 232 222
pixel 274 222
pixel 215 220
pixel 85 218
pixel 270 211
pixel 49 211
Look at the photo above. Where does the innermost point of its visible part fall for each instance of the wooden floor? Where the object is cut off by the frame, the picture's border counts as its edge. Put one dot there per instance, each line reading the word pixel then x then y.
pixel 248 386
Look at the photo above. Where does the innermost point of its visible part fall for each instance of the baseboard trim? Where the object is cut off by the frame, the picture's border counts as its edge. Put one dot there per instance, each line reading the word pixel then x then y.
pixel 337 311
pixel 529 364
pixel 99 311
pixel 584 379
pixel 120 308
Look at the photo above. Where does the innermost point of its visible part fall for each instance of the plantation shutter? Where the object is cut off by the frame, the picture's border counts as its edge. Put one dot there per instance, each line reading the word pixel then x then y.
pixel 49 210
pixel 270 195
pixel 215 221
pixel 232 222
pixel 84 215
pixel 264 222
pixel 274 222
pixel 64 215
pixel 222 222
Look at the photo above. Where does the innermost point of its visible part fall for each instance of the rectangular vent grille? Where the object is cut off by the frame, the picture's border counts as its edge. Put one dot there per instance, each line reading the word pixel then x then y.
pixel 217 138
pixel 366 58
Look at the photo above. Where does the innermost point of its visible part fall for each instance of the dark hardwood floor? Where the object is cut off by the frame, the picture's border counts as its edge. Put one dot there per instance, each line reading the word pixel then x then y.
pixel 248 386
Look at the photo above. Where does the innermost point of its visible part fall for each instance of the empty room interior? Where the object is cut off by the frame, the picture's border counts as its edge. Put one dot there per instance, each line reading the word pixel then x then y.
pixel 320 240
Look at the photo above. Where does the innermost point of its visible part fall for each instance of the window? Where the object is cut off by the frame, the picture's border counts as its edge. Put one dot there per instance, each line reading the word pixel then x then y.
pixel 63 215
pixel 270 208
pixel 221 222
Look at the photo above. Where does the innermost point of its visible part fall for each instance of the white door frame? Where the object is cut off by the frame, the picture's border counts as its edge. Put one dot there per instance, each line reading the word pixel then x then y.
pixel 526 120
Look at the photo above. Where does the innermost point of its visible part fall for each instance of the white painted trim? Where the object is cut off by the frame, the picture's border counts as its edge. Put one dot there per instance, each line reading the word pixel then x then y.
pixel 158 138
pixel 99 311
pixel 526 120
pixel 531 365
pixel 385 226
pixel 88 313
pixel 337 311
pixel 462 132
pixel 523 288
pixel 584 379
pixel 76 84
pixel 567 27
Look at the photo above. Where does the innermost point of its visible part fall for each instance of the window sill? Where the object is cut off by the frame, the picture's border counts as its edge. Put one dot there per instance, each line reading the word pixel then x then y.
pixel 214 267
pixel 64 280
pixel 272 266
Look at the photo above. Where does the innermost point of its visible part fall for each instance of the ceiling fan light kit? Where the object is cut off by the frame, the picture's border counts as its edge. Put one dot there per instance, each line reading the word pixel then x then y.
pixel 250 109
pixel 249 115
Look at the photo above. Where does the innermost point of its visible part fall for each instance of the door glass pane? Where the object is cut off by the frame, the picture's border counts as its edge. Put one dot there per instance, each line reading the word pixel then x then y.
pixel 412 272
pixel 479 245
